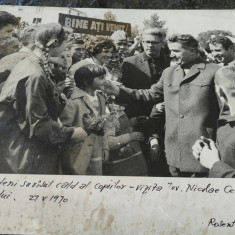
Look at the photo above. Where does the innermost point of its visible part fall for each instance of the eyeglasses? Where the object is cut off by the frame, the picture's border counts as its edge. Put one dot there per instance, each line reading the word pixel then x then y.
pixel 151 42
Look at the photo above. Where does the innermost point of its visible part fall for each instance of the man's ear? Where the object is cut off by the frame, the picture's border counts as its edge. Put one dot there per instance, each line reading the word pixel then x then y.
pixel 231 48
pixel 192 50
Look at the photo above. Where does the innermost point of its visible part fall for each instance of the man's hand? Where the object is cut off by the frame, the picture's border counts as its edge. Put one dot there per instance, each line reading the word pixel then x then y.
pixel 160 107
pixel 197 148
pixel 137 136
pixel 209 155
pixel 111 88
pixel 155 151
pixel 79 134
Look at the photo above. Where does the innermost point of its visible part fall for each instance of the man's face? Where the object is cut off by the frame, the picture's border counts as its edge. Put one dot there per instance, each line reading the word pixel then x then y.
pixel 6 32
pixel 220 54
pixel 78 52
pixel 122 46
pixel 104 55
pixel 114 59
pixel 152 45
pixel 179 54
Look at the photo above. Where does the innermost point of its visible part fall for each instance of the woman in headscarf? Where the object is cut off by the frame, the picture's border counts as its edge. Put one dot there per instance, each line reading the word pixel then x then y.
pixel 31 133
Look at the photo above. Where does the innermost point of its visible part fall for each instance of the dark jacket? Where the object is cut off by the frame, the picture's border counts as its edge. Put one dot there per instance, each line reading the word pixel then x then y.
pixel 29 126
pixel 136 74
pixel 191 110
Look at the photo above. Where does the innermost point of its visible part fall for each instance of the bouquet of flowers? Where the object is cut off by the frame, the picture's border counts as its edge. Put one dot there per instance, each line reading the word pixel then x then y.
pixel 94 124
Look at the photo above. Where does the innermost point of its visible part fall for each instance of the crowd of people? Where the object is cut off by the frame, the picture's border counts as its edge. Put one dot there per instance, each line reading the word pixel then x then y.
pixel 157 105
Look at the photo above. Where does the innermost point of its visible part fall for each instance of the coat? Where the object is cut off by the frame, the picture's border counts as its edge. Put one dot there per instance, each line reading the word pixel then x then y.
pixel 136 74
pixel 30 132
pixel 191 109
pixel 87 156
pixel 221 170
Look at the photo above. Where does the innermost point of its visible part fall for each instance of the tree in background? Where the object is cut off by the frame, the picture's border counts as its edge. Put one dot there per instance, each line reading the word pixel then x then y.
pixel 22 25
pixel 154 22
pixel 109 16
pixel 135 31
pixel 204 37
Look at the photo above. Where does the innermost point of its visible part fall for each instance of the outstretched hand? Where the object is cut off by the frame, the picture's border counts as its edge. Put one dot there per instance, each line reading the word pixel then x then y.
pixel 111 88
pixel 137 136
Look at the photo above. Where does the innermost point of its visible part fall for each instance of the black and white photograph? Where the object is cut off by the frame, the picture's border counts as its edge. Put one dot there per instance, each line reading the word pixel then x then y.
pixel 147 94
pixel 89 95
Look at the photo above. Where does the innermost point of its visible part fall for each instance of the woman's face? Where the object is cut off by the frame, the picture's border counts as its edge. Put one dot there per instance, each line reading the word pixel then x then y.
pixel 104 55
pixel 67 58
pixel 98 83
pixel 56 51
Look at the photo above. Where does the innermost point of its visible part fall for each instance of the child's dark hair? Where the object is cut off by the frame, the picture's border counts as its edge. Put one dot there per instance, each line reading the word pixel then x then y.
pixel 86 74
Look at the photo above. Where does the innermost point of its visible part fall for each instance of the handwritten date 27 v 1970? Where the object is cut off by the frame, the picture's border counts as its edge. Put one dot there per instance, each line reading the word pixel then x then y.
pixel 7 187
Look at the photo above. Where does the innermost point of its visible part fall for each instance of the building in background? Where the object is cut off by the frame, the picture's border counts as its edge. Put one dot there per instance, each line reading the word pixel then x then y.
pixel 40 15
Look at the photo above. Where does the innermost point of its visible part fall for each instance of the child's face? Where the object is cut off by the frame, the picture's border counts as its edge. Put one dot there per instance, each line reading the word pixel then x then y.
pixel 98 83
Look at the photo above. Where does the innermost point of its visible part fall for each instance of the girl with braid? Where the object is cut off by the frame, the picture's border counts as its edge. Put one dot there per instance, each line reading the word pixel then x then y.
pixel 31 132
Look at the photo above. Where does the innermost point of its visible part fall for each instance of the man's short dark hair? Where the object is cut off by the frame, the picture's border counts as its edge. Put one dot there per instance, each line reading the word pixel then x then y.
pixel 86 74
pixel 7 18
pixel 155 32
pixel 96 45
pixel 186 40
pixel 223 40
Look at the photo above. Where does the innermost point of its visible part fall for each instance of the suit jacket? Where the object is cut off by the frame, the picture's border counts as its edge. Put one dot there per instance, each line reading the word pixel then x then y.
pixel 136 74
pixel 191 109
pixel 221 170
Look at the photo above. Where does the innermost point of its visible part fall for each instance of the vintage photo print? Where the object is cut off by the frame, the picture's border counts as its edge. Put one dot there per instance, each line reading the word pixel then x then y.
pixel 116 121
pixel 116 92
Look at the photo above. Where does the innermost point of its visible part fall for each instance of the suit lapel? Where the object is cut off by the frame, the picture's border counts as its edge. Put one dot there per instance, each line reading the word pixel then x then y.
pixel 144 66
pixel 198 65
pixel 178 76
pixel 192 72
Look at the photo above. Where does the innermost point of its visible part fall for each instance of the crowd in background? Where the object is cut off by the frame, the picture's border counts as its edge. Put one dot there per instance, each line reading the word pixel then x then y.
pixel 155 105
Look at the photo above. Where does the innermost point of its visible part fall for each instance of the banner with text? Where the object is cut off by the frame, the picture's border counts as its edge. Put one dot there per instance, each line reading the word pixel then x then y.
pixel 93 26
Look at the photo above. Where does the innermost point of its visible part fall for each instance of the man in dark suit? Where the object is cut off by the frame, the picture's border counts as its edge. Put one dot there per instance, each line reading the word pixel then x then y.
pixel 143 70
pixel 191 106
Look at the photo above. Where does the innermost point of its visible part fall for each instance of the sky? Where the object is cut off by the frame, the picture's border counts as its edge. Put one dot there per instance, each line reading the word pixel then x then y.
pixel 177 21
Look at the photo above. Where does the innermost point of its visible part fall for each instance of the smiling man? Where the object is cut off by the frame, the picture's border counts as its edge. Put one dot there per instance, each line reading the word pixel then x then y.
pixel 222 50
pixel 8 22
pixel 191 106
